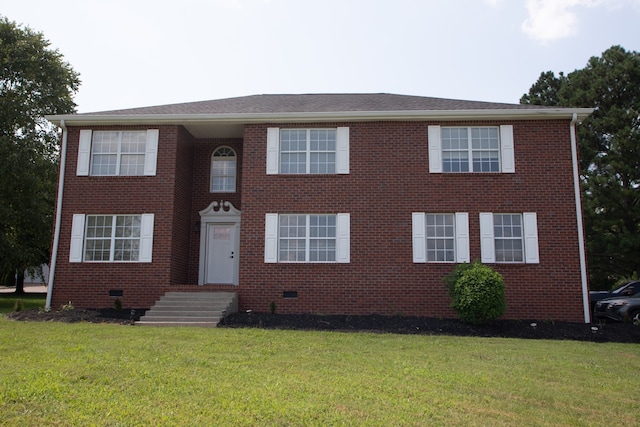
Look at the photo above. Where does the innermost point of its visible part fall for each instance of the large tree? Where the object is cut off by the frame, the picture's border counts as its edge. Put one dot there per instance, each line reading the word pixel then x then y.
pixel 34 81
pixel 609 145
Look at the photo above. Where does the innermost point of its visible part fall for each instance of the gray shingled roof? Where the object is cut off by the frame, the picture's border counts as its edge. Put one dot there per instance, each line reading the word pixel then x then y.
pixel 318 103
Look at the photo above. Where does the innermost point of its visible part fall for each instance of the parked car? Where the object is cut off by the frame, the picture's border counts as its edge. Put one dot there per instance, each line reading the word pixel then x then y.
pixel 619 308
pixel 627 289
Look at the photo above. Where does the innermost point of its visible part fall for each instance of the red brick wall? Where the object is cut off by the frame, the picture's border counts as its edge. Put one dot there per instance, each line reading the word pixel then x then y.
pixel 88 284
pixel 181 229
pixel 388 180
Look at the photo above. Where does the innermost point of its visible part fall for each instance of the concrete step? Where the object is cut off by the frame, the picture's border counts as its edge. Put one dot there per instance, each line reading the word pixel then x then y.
pixel 182 318
pixel 217 314
pixel 190 309
pixel 175 323
pixel 212 303
pixel 197 295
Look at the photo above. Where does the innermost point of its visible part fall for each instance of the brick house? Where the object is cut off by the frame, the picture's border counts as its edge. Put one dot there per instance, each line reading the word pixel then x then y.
pixel 333 204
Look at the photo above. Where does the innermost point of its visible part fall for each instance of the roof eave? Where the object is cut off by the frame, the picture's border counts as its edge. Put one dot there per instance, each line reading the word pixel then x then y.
pixel 488 114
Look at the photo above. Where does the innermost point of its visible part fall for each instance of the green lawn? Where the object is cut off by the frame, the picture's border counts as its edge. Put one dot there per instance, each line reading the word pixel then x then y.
pixel 110 375
pixel 32 300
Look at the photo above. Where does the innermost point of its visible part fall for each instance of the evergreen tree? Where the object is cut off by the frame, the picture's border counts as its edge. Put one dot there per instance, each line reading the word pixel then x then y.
pixel 609 146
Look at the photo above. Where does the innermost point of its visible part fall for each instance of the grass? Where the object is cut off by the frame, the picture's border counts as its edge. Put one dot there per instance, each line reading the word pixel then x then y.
pixel 111 375
pixel 29 300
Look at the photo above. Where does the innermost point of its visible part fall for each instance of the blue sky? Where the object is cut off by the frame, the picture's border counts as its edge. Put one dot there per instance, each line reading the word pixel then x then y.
pixel 133 53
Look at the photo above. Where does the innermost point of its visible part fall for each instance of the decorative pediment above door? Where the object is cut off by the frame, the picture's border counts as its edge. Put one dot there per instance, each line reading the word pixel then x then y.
pixel 219 210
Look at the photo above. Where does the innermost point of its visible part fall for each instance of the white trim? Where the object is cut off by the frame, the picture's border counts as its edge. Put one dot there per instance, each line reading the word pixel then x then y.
pixel 271 238
pixel 84 152
pixel 507 156
pixel 146 238
pixel 435 149
pixel 487 244
pixel 151 152
pixel 273 151
pixel 530 233
pixel 462 237
pixel 77 238
pixel 330 116
pixel 343 238
pixel 418 237
pixel 342 150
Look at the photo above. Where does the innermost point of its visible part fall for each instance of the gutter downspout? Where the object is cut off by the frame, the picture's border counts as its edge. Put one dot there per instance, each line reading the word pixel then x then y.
pixel 56 233
pixel 581 247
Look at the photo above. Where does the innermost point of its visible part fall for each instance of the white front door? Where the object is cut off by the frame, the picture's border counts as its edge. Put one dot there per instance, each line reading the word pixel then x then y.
pixel 221 254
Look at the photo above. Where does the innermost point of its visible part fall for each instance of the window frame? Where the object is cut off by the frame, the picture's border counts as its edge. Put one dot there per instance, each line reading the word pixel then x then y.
pixel 80 237
pixel 85 160
pixel 460 237
pixel 116 237
pixel 509 232
pixel 308 238
pixel 442 239
pixel 308 151
pixel 274 238
pixel 506 161
pixel 274 152
pixel 529 238
pixel 119 153
pixel 221 159
pixel 470 151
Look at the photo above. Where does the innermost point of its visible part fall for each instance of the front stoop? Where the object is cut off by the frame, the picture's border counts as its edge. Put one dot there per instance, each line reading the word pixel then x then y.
pixel 190 309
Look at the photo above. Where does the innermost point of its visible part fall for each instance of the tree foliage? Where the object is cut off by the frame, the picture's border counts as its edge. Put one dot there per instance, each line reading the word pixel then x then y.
pixel 609 146
pixel 34 81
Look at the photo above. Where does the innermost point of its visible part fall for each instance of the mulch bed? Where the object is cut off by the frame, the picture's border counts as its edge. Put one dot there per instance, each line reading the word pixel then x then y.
pixel 528 329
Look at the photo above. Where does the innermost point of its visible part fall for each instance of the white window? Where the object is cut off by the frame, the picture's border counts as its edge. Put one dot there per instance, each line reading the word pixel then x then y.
pixel 223 170
pixel 111 238
pixel 307 238
pixel 117 153
pixel 509 238
pixel 471 149
pixel 440 237
pixel 308 151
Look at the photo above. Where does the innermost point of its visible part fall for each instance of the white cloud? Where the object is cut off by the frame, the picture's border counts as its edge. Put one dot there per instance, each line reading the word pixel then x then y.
pixel 549 20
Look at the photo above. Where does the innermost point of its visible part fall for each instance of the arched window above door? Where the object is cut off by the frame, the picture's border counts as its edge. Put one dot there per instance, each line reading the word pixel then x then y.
pixel 223 170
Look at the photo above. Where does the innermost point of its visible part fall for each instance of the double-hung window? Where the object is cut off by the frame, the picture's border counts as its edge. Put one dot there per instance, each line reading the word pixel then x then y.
pixel 111 238
pixel 117 153
pixel 311 238
pixel 471 149
pixel 440 237
pixel 307 151
pixel 509 237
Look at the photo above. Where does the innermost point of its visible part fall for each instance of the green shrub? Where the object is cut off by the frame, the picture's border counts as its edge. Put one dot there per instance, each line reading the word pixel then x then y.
pixel 18 305
pixel 454 276
pixel 477 293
